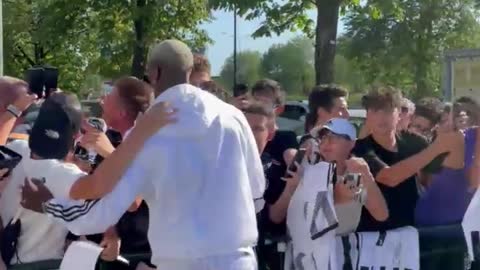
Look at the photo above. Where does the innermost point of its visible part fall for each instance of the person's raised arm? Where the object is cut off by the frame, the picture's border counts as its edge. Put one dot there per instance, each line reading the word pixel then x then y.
pixel 109 172
pixel 399 172
pixel 375 202
pixel 278 211
pixel 8 119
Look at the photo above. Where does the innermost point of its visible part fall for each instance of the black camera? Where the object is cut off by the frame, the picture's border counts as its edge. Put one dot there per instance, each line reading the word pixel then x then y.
pixel 42 80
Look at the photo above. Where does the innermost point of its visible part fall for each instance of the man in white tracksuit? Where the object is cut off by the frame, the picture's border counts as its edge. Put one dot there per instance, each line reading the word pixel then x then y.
pixel 199 177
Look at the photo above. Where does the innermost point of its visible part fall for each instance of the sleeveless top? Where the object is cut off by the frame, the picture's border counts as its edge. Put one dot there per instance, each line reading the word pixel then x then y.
pixel 448 197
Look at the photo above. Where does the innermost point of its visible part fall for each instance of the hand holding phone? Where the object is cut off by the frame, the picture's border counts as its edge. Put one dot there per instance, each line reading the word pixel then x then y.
pixel 297 159
pixel 352 179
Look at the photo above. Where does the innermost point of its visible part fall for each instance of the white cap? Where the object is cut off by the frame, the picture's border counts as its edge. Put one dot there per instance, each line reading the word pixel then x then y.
pixel 340 126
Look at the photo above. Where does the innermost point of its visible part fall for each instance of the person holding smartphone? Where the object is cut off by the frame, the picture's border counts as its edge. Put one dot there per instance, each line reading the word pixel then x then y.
pixel 14 100
pixel 128 98
pixel 355 186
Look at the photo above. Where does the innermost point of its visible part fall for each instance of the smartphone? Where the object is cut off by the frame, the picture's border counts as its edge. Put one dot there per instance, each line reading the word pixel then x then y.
pixel 8 158
pixel 36 81
pixel 352 179
pixel 297 159
pixel 50 75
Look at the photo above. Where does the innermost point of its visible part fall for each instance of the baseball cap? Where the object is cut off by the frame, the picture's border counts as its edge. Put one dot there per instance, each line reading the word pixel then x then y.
pixel 58 121
pixel 340 126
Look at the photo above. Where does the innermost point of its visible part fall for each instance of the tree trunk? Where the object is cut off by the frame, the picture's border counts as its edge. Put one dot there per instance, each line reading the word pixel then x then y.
pixel 140 46
pixel 326 39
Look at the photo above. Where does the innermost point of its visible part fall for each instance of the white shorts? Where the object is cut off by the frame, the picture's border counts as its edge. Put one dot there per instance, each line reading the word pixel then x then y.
pixel 243 259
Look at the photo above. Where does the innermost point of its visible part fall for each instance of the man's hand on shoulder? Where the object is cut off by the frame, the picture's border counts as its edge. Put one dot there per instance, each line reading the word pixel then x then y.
pixel 158 116
pixel 34 195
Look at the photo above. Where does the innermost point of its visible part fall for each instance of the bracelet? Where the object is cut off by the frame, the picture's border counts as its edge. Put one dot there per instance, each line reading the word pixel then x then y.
pixel 14 111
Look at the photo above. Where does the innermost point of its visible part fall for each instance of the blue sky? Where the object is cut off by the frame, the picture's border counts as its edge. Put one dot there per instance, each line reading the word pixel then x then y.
pixel 220 31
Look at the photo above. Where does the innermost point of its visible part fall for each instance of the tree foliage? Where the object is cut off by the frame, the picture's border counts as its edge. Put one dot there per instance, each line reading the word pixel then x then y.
pixel 248 69
pixel 291 64
pixel 405 48
pixel 101 37
pixel 292 15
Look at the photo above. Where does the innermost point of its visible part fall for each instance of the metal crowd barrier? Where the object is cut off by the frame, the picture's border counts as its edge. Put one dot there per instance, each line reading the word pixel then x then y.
pixel 440 248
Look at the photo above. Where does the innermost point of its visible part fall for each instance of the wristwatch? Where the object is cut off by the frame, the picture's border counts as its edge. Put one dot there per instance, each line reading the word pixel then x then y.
pixel 14 110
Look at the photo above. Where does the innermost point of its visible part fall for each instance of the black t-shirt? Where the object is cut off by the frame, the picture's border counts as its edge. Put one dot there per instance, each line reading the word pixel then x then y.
pixel 401 200
pixel 275 168
pixel 282 141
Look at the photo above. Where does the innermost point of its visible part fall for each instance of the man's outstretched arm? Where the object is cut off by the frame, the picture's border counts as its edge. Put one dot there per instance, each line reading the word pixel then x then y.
pixel 109 172
pixel 91 216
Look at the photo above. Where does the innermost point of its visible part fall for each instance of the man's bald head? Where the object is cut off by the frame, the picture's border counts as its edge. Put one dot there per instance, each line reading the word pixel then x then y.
pixel 172 55
pixel 170 63
pixel 10 89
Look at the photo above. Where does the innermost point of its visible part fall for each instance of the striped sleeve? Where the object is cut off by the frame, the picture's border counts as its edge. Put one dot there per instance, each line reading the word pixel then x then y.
pixel 95 216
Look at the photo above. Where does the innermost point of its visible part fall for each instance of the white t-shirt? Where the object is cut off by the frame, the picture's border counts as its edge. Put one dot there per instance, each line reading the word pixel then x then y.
pixel 199 177
pixel 471 227
pixel 311 220
pixel 41 238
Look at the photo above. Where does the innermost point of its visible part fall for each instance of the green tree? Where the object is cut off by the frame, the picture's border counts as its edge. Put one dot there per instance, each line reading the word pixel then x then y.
pixel 128 28
pixel 405 49
pixel 292 15
pixel 291 64
pixel 34 36
pixel 99 37
pixel 248 69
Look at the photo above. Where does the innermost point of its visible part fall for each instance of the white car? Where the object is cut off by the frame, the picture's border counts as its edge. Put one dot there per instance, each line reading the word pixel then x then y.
pixel 295 113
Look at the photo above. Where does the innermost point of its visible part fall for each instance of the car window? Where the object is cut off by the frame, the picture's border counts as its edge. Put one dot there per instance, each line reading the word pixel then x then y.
pixel 293 112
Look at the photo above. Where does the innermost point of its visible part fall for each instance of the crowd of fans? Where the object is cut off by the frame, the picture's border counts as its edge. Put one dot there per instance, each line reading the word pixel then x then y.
pixel 418 163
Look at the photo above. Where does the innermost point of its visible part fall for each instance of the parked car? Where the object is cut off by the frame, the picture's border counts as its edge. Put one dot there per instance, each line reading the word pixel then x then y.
pixel 295 113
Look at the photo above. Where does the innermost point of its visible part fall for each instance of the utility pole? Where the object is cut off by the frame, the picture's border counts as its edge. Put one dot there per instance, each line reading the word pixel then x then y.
pixel 234 47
